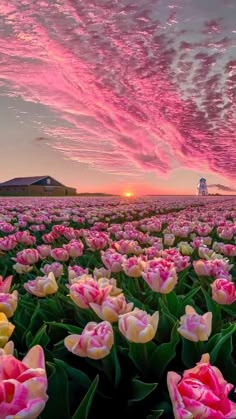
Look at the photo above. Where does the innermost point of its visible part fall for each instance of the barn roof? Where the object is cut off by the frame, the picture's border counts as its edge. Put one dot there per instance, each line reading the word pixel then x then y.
pixel 23 181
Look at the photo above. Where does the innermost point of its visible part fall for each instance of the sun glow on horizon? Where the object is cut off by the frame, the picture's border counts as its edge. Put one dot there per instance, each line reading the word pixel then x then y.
pixel 128 194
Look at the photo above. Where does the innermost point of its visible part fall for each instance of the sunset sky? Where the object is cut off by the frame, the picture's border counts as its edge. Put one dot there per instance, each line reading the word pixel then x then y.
pixel 119 95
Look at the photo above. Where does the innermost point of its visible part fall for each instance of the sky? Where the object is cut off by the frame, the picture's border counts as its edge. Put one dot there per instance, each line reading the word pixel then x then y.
pixel 119 95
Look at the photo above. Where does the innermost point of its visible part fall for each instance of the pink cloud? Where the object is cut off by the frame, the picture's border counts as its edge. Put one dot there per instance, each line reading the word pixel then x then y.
pixel 141 87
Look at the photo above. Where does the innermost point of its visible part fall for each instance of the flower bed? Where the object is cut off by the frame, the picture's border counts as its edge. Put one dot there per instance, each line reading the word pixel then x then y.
pixel 117 308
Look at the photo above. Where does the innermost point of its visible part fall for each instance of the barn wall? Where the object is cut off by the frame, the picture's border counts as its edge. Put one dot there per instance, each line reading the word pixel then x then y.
pixel 14 190
pixel 36 190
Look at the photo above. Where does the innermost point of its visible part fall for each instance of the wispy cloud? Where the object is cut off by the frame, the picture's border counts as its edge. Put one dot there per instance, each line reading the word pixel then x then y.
pixel 136 87
pixel 222 187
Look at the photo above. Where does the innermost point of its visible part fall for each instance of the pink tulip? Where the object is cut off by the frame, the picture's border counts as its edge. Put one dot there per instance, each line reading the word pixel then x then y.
pixel 27 257
pixel 182 232
pixel 207 240
pixel 127 247
pixel 60 254
pixel 101 273
pixel 205 253
pixel 25 238
pixel 48 238
pixel 203 230
pixel 44 251
pixel 23 385
pixel 169 239
pixel 202 267
pixel 111 282
pixel 5 284
pixel 160 275
pixel 223 291
pixel 112 260
pixel 76 271
pixel 95 341
pixel 56 268
pixel 79 279
pixel 225 233
pixel 195 327
pixel 42 286
pixel 229 250
pixel 220 268
pixel 7 243
pixel 70 233
pixel 74 248
pixel 87 291
pixel 133 267
pixel 97 240
pixel 22 269
pixel 152 252
pixel 201 392
pixel 8 349
pixel 173 255
pixel 58 230
pixel 138 326
pixel 6 227
pixel 111 308
pixel 217 246
pixel 21 224
pixel 197 242
pixel 8 303
pixel 36 227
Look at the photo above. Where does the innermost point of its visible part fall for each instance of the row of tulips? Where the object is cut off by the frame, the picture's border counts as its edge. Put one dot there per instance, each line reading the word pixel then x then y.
pixel 133 291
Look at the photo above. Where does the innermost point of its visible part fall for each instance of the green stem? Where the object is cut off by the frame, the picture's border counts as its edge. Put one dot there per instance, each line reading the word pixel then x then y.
pixel 144 353
pixel 138 288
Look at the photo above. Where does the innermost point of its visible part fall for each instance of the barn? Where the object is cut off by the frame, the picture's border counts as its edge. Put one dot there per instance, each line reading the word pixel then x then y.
pixel 35 186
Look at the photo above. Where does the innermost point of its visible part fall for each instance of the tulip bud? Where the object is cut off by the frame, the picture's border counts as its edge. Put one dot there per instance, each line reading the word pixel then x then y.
pixel 22 269
pixel 111 308
pixel 8 303
pixel 195 327
pixel 138 326
pixel 223 291
pixel 42 285
pixel 6 329
pixel 87 291
pixel 160 275
pixel 133 267
pixel 5 284
pixel 95 341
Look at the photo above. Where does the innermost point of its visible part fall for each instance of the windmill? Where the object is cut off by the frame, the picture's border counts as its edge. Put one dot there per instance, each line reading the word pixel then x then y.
pixel 202 187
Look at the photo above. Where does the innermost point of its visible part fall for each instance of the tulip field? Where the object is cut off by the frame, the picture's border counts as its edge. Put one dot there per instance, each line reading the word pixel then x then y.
pixel 118 308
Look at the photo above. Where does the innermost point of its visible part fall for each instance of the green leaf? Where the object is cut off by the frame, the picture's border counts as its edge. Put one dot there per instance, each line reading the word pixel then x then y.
pixel 41 338
pixel 83 410
pixel 155 414
pixel 57 405
pixel 191 352
pixel 111 366
pixel 165 310
pixel 223 337
pixel 75 375
pixel 225 361
pixel 213 307
pixel 164 354
pixel 173 303
pixel 140 390
pixel 68 327
pixel 188 297
pixel 28 338
pixel 182 280
pixel 139 353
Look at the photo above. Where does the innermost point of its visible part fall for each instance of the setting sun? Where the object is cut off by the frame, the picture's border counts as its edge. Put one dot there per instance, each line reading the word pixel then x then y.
pixel 128 194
